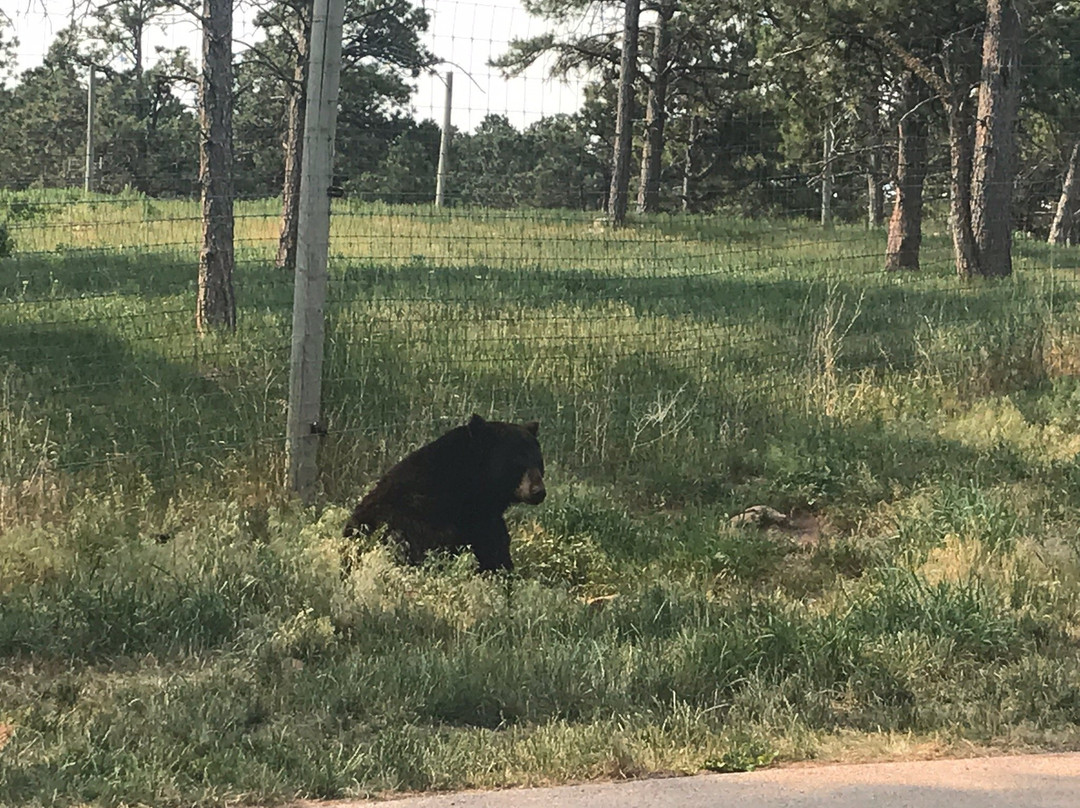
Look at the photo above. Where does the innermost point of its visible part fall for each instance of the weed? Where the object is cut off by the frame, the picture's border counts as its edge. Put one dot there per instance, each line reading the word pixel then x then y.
pixel 744 754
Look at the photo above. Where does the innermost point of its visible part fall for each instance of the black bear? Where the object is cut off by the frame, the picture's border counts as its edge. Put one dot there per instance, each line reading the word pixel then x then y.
pixel 452 493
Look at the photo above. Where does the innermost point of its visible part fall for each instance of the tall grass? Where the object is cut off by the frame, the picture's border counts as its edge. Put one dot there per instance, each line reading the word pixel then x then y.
pixel 175 630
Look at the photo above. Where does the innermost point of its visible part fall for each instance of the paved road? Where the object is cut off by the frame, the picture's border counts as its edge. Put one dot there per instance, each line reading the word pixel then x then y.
pixel 1027 781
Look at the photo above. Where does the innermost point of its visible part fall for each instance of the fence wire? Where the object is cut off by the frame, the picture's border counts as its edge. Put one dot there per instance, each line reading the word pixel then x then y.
pixel 671 352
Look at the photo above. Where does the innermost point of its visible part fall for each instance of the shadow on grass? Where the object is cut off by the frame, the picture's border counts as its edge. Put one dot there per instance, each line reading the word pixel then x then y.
pixel 110 404
pixel 135 272
pixel 891 310
pixel 96 273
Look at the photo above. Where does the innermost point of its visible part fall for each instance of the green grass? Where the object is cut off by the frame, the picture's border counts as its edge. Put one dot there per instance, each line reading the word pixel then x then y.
pixel 175 631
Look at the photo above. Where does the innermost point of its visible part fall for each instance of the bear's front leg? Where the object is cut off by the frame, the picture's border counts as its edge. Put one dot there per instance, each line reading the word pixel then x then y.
pixel 491 546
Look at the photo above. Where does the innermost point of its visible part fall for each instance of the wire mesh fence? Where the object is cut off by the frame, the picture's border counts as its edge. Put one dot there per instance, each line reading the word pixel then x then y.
pixel 675 353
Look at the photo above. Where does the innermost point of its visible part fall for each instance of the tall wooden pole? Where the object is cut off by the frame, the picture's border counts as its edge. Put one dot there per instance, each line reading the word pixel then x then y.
pixel 313 239
pixel 444 144
pixel 91 103
pixel 828 144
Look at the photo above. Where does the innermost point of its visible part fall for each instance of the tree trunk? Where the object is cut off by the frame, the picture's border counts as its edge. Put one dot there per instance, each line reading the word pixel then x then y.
pixel 952 90
pixel 965 250
pixel 688 161
pixel 1063 228
pixel 652 151
pixel 994 167
pixel 905 226
pixel 624 122
pixel 216 305
pixel 875 192
pixel 294 146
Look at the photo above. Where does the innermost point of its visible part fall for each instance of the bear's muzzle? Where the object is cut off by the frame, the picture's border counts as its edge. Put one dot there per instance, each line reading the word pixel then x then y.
pixel 531 489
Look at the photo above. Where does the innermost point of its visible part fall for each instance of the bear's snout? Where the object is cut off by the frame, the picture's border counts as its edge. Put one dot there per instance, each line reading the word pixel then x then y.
pixel 531 489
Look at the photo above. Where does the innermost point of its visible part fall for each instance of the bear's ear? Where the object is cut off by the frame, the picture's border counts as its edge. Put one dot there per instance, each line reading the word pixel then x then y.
pixel 533 427
pixel 475 423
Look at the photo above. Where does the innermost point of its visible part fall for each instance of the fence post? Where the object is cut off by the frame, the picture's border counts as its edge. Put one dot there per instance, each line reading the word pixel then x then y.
pixel 827 148
pixel 313 239
pixel 444 144
pixel 91 102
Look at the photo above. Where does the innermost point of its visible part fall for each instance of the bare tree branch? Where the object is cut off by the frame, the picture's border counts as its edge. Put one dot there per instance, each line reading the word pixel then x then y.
pixel 915 65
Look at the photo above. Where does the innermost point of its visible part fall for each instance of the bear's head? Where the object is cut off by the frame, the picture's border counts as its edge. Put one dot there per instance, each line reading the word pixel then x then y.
pixel 514 460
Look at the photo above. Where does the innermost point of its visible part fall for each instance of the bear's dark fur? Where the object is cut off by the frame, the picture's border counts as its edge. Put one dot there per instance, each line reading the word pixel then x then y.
pixel 451 493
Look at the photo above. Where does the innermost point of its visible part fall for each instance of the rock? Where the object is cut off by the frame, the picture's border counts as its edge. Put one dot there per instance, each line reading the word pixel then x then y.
pixel 760 515
pixel 802 527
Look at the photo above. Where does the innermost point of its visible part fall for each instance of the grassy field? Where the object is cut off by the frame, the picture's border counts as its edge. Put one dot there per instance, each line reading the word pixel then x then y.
pixel 176 631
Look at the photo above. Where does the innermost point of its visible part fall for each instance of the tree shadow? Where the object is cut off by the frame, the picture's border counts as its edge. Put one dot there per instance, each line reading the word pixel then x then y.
pixel 877 316
pixel 40 277
pixel 133 273
pixel 109 403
